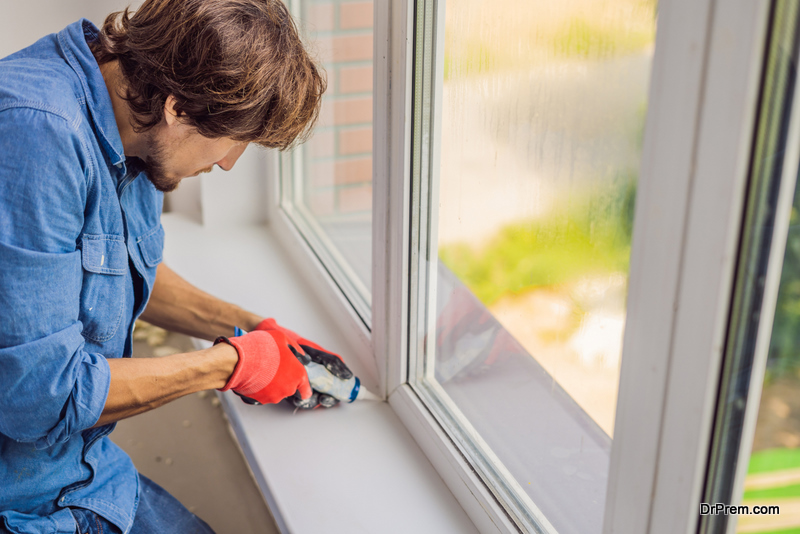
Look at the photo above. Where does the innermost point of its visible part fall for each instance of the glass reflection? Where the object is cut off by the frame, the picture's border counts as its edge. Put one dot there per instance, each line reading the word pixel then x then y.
pixel 773 474
pixel 335 188
pixel 543 114
pixel 543 109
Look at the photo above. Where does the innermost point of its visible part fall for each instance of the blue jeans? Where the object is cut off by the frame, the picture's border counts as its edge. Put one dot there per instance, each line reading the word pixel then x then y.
pixel 158 512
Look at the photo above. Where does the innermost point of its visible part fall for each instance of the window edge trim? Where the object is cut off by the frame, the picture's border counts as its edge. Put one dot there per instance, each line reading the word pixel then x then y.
pixel 486 513
pixel 320 281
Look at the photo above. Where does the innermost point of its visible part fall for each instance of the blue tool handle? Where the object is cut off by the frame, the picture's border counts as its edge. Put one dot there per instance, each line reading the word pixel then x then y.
pixel 324 381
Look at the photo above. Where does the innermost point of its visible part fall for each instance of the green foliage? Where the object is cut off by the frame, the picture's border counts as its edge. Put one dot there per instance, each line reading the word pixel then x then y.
pixel 585 236
pixel 781 492
pixel 784 351
pixel 476 58
pixel 588 39
pixel 794 530
pixel 512 35
pixel 773 460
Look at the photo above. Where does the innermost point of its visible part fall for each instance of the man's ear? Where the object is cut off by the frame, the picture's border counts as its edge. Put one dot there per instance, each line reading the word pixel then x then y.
pixel 170 114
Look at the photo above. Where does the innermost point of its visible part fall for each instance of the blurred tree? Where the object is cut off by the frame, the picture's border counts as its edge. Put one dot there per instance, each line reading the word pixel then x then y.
pixel 784 351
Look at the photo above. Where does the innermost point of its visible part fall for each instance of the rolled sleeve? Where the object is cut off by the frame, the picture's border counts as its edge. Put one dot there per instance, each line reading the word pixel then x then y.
pixel 50 386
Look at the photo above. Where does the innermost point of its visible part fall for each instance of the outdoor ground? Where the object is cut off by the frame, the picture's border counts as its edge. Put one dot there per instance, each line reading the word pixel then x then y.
pixel 187 447
pixel 774 474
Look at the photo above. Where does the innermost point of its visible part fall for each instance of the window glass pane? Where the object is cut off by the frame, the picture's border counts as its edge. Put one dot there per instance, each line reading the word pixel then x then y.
pixel 773 469
pixel 533 185
pixel 773 473
pixel 762 334
pixel 330 176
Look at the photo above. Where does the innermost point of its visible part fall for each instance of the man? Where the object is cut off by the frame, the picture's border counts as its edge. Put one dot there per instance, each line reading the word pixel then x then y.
pixel 94 126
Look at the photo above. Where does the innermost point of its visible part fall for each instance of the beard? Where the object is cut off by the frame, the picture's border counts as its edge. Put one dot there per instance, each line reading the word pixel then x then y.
pixel 154 167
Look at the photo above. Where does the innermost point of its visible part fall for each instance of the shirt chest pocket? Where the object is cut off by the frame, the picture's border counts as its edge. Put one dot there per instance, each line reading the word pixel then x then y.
pixel 105 263
pixel 151 246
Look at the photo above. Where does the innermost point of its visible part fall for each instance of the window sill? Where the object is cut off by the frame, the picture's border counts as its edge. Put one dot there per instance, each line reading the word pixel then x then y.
pixel 354 468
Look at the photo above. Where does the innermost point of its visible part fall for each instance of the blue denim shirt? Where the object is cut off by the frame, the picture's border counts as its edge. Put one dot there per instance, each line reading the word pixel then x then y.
pixel 76 231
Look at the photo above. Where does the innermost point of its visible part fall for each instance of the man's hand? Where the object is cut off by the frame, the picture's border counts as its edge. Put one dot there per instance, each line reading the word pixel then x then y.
pixel 313 352
pixel 269 369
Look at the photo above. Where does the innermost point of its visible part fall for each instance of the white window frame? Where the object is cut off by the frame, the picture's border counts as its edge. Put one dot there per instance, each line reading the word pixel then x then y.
pixel 704 87
pixel 316 273
pixel 290 169
pixel 757 284
pixel 698 139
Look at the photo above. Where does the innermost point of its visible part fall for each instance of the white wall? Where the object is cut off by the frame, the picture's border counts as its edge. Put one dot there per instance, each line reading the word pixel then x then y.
pixel 25 21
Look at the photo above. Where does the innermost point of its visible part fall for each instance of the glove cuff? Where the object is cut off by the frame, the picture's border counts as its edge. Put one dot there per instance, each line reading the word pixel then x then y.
pixel 268 324
pixel 259 358
pixel 271 324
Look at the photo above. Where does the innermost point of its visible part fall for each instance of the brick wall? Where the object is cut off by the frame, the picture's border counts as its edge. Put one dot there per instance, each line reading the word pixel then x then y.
pixel 338 158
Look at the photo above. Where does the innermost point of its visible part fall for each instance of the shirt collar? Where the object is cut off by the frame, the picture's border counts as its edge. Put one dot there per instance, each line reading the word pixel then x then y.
pixel 73 40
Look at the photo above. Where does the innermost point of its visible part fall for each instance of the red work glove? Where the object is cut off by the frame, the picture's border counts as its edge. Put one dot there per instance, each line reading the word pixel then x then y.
pixel 268 370
pixel 332 362
pixel 468 338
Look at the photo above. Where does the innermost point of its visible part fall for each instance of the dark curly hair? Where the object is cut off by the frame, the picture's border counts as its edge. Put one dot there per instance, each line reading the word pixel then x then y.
pixel 237 68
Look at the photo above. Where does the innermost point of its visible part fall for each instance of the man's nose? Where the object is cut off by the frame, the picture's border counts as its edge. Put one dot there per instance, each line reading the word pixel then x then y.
pixel 230 158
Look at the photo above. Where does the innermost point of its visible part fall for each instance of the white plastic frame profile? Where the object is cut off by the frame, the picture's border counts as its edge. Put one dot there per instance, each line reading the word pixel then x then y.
pixel 317 275
pixel 339 268
pixel 290 175
pixel 394 39
pixel 429 29
pixel 784 25
pixel 697 149
pixel 313 258
pixel 391 178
